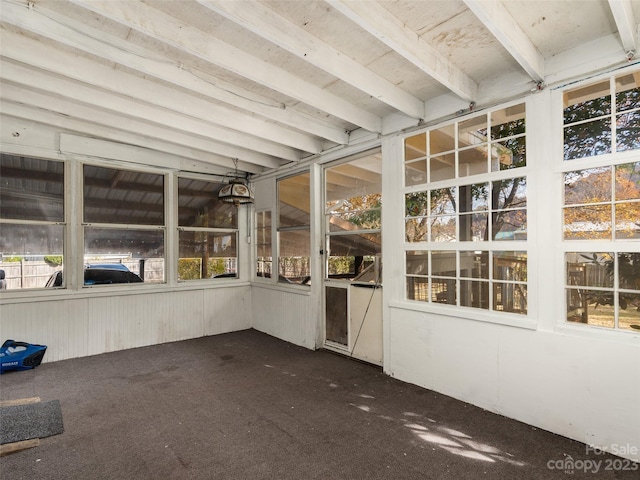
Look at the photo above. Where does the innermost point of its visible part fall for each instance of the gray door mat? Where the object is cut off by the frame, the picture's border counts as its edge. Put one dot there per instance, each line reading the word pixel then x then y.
pixel 34 420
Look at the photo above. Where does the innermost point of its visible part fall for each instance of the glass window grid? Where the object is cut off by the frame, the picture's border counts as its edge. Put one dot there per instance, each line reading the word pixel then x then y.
pixel 611 118
pixel 300 264
pixel 229 220
pixel 421 156
pixel 429 215
pixel 611 242
pixel 492 172
pixel 433 292
pixel 54 222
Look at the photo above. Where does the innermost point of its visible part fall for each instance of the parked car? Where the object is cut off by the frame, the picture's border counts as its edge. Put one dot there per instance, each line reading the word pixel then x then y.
pixel 100 275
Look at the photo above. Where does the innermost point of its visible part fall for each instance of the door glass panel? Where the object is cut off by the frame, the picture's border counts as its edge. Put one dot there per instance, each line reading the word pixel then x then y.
pixel 336 315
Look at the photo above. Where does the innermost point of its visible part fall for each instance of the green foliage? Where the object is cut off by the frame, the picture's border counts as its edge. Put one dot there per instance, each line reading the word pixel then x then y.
pixel 191 268
pixel 53 260
pixel 12 259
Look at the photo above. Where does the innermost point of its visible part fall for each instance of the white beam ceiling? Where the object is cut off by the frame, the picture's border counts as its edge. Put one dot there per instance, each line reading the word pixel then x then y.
pixel 376 20
pixel 266 23
pixel 273 82
pixel 627 26
pixel 164 28
pixel 504 27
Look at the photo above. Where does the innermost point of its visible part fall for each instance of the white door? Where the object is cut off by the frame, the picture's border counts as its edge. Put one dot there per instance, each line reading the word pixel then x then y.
pixel 353 262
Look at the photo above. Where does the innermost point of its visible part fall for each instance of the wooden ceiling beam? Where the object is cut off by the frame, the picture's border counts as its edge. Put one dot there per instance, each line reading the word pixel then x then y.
pixel 497 19
pixel 379 22
pixel 164 28
pixel 263 21
pixel 626 22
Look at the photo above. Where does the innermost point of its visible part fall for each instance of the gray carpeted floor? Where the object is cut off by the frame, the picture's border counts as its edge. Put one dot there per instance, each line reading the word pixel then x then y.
pixel 247 406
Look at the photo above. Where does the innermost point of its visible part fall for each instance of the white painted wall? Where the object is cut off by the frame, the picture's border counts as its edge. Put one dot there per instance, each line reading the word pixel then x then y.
pixel 83 324
pixel 576 381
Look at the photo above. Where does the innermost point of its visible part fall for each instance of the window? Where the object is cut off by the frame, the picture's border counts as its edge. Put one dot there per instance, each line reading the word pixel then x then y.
pixel 601 206
pixel 466 213
pixel 124 221
pixel 602 118
pixel 32 220
pixel 207 232
pixel 353 201
pixel 263 244
pixel 294 229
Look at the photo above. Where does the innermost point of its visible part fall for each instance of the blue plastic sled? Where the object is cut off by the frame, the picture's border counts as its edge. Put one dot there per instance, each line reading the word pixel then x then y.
pixel 20 355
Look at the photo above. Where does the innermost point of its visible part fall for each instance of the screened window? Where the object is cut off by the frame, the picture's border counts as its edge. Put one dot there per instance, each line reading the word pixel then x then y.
pixel 466 213
pixel 264 253
pixel 207 232
pixel 294 239
pixel 353 202
pixel 124 222
pixel 32 220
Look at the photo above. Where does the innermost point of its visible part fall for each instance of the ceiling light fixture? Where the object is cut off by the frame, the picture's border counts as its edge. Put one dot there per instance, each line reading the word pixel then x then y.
pixel 237 189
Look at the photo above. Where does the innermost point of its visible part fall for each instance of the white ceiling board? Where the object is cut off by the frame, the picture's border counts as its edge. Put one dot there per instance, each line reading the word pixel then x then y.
pixel 224 91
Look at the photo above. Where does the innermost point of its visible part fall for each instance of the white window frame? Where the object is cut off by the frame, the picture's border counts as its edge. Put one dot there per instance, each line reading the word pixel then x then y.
pixel 613 246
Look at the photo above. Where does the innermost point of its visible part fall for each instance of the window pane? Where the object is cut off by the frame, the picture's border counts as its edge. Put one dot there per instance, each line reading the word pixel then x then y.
pixel 418 289
pixel 510 297
pixel 415 173
pixel 587 223
pixel 207 255
pixel 263 244
pixel 443 201
pixel 417 262
pixel 472 132
pixel 587 102
pixel 587 186
pixel 355 257
pixel 472 161
pixel 143 249
pixel 474 197
pixel 198 205
pixel 416 229
pixel 443 264
pixel 508 122
pixel 511 266
pixel 589 269
pixel 443 290
pixel 511 193
pixel 443 228
pixel 293 262
pixel 415 147
pixel 473 227
pixel 627 220
pixel 293 201
pixel 509 225
pixel 474 264
pixel 629 271
pixel 592 307
pixel 627 92
pixel 474 294
pixel 123 196
pixel 629 314
pixel 628 131
pixel 31 189
pixel 442 140
pixel 30 254
pixel 442 167
pixel 587 139
pixel 416 204
pixel 511 153
pixel 628 181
